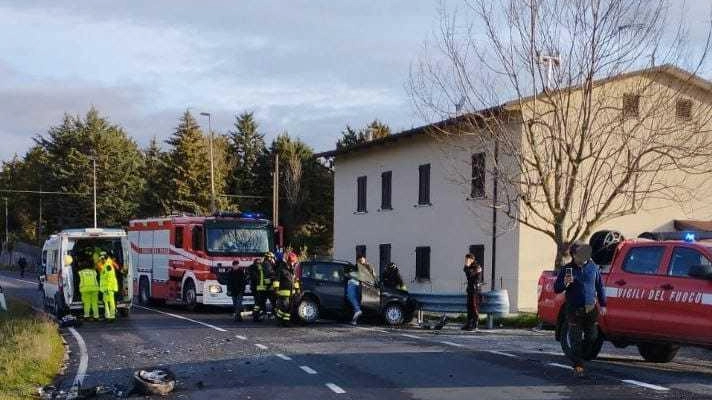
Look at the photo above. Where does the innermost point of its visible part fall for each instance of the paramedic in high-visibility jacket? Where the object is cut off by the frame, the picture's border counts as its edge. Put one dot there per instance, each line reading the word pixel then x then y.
pixel 89 289
pixel 287 276
pixel 108 285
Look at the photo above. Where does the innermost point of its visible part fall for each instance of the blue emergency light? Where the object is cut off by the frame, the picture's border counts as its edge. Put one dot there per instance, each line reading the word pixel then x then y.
pixel 689 237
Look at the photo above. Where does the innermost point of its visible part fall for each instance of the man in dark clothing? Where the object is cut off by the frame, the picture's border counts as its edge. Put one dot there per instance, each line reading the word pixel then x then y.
pixel 473 273
pixel 287 272
pixel 236 283
pixel 261 283
pixel 581 280
pixel 22 263
pixel 392 278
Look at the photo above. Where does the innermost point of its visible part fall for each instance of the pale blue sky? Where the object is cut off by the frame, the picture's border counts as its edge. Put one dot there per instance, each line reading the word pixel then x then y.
pixel 306 66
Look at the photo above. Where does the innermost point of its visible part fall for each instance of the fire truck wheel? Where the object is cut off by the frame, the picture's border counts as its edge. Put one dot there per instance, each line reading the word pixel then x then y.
pixel 144 297
pixel 190 296
pixel 658 352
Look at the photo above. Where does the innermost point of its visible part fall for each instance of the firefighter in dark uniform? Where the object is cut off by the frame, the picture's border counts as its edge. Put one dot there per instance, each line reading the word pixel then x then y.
pixel 288 287
pixel 261 283
pixel 473 273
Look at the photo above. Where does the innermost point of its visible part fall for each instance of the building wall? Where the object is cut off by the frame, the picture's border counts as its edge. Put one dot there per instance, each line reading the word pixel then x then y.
pixel 449 226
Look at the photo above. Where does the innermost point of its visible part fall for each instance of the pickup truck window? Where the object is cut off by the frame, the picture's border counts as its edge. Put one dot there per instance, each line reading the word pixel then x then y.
pixel 683 258
pixel 643 260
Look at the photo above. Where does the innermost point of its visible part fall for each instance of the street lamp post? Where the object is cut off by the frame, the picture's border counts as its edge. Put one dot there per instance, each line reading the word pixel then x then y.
pixel 212 165
pixel 94 176
pixel 7 231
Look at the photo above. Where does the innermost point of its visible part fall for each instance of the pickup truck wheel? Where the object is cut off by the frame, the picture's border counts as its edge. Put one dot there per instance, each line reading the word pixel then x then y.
pixel 592 351
pixel 658 353
pixel 308 311
pixel 190 296
pixel 394 314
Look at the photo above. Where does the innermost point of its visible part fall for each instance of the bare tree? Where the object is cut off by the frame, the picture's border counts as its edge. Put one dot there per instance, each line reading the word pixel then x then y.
pixel 580 140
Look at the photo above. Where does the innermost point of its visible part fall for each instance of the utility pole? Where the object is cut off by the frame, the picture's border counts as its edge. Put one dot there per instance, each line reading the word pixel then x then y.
pixel 212 165
pixel 275 191
pixel 7 231
pixel 94 173
pixel 39 226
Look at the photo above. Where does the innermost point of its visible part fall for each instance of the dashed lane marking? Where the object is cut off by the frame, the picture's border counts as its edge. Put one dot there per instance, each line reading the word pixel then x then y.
pixel 283 357
pixel 410 336
pixel 335 388
pixel 217 328
pixel 502 353
pixel 452 343
pixel 261 346
pixel 83 358
pixel 645 385
pixel 561 366
pixel 307 370
pixel 382 330
pixel 241 337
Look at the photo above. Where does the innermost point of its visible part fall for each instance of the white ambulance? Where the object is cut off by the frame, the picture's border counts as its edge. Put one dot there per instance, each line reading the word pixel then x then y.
pixel 70 250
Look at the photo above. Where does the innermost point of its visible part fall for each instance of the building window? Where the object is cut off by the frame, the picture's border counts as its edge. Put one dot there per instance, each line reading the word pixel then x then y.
pixel 386 190
pixel 360 251
pixel 683 109
pixel 422 263
pixel 178 237
pixel 631 104
pixel 424 184
pixel 478 250
pixel 478 176
pixel 384 257
pixel 361 194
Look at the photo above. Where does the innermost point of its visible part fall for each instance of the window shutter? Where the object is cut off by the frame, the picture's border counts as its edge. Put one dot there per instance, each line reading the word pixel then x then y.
pixel 384 257
pixel 360 251
pixel 361 194
pixel 386 178
pixel 424 184
pixel 422 262
pixel 683 109
pixel 478 176
pixel 631 104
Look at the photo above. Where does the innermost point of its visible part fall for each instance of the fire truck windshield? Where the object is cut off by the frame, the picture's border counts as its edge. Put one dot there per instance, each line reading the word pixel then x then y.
pixel 239 240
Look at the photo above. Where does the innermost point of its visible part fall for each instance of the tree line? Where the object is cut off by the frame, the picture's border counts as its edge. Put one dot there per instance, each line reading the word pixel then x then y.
pixel 174 176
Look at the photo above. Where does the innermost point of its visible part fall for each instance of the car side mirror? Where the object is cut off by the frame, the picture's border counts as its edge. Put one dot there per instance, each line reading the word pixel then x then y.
pixel 701 271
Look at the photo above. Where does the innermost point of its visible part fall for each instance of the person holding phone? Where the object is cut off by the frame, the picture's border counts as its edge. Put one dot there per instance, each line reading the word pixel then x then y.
pixel 581 280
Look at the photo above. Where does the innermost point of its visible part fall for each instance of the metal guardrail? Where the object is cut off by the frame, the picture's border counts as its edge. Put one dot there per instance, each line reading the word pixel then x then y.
pixel 494 302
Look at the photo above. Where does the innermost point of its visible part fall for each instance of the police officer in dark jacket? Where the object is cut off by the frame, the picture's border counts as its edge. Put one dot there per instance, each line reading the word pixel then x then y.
pixel 237 280
pixel 581 280
pixel 473 274
pixel 392 278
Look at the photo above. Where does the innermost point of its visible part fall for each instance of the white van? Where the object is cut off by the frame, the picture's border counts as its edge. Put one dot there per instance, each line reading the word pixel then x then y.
pixel 60 277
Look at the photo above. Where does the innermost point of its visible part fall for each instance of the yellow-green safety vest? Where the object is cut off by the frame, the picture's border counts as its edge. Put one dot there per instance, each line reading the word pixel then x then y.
pixel 107 278
pixel 87 281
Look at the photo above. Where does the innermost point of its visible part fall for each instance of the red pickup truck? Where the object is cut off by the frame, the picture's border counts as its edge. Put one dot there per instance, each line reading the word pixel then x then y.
pixel 659 293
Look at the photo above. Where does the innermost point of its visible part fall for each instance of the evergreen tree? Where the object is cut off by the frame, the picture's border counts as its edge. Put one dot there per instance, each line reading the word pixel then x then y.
pixel 350 137
pixel 247 159
pixel 153 200
pixel 188 168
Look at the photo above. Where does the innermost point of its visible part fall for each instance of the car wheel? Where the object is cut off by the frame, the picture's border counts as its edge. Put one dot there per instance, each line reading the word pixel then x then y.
pixel 190 296
pixel 308 311
pixel 658 353
pixel 394 314
pixel 592 351
pixel 144 297
pixel 151 381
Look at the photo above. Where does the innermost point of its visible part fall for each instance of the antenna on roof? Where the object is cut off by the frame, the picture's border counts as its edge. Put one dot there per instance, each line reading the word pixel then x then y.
pixel 550 61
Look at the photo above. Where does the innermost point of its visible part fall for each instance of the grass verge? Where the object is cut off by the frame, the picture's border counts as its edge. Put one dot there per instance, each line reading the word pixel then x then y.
pixel 31 351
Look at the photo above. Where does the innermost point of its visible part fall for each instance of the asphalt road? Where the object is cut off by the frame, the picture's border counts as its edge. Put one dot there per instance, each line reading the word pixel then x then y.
pixel 215 358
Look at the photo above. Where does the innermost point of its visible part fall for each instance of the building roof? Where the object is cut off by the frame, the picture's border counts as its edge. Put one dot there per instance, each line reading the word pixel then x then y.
pixel 669 69
pixel 692 225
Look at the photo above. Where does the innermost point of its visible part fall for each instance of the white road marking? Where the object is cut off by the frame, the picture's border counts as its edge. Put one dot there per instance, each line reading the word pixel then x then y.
pixel 410 336
pixel 502 353
pixel 452 344
pixel 283 357
pixel 261 346
pixel 561 366
pixel 382 331
pixel 645 385
pixel 335 388
pixel 241 337
pixel 217 328
pixel 21 280
pixel 307 370
pixel 83 358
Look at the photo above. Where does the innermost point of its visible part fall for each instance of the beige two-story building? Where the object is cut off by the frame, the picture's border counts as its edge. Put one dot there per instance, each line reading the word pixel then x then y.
pixel 424 197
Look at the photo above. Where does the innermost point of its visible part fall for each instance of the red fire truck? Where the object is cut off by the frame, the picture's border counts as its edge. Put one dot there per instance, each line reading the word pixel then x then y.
pixel 178 257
